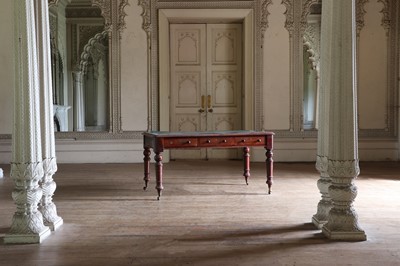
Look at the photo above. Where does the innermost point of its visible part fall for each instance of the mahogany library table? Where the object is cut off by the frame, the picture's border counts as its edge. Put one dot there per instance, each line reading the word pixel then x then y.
pixel 160 140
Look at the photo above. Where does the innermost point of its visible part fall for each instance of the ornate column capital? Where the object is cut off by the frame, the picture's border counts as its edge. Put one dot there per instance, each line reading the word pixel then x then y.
pixel 343 169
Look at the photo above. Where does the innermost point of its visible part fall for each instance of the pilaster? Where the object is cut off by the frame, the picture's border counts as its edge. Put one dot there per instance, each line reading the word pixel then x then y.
pixel 26 166
pixel 339 79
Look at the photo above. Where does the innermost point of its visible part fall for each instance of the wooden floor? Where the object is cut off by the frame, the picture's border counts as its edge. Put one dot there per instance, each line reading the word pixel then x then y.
pixel 206 216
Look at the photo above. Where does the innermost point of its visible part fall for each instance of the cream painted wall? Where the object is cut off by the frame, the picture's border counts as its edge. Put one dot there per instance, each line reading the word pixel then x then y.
pixel 134 71
pixel 276 70
pixel 6 66
pixel 372 79
pixel 276 92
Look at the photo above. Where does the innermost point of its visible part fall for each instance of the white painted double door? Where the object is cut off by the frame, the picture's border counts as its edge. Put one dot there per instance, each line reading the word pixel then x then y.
pixel 206 82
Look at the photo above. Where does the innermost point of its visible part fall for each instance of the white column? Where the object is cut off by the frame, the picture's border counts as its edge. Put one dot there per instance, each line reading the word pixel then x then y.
pixel 339 78
pixel 325 204
pixel 26 166
pixel 79 103
pixel 46 206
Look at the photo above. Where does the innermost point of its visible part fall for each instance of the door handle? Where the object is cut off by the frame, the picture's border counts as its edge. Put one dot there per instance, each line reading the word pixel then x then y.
pixel 209 106
pixel 203 103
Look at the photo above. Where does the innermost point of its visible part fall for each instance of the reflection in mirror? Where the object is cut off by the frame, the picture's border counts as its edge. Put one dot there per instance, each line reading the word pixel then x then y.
pixel 80 71
pixel 310 91
pixel 311 63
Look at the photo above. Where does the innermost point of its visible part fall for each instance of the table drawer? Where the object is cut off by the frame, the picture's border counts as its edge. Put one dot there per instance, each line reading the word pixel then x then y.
pixel 250 141
pixel 216 142
pixel 180 142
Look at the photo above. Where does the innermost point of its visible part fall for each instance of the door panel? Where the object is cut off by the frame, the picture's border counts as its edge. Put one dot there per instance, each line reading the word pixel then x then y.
pixel 224 82
pixel 188 80
pixel 206 82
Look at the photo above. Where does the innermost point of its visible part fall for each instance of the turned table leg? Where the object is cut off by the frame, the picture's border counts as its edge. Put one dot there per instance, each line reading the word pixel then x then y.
pixel 159 165
pixel 146 160
pixel 270 168
pixel 246 163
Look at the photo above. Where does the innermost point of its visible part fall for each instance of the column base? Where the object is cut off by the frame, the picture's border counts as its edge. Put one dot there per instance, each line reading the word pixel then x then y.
pixel 56 224
pixel 27 238
pixel 344 235
pixel 318 223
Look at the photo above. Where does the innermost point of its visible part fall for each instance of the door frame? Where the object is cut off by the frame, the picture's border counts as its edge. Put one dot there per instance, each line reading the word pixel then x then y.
pixel 244 16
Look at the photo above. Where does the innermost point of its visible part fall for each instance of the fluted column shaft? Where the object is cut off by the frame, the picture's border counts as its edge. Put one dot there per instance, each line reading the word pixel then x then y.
pixel 79 104
pixel 26 166
pixel 325 204
pixel 46 206
pixel 339 76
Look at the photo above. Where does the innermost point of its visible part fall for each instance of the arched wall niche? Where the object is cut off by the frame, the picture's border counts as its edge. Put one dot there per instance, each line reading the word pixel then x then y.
pixel 114 22
pixel 387 17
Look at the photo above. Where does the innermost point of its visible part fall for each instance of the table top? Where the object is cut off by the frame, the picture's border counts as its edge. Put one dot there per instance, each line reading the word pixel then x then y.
pixel 206 133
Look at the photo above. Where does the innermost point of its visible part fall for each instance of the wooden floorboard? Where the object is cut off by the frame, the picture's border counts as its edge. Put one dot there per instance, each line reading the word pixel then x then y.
pixel 206 216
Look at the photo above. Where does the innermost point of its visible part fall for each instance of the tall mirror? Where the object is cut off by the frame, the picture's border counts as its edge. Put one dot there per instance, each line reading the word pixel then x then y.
pixel 80 66
pixel 311 67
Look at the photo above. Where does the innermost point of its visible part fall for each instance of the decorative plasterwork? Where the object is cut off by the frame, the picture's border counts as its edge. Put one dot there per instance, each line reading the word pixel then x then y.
pixel 85 34
pixel 343 169
pixel 386 21
pixel 114 15
pixel 305 12
pixel 105 6
pixel 122 14
pixel 264 16
pixel 53 2
pixel 94 44
pixel 86 12
pixel 388 15
pixel 146 25
pixel 289 23
pixel 360 13
pixel 311 39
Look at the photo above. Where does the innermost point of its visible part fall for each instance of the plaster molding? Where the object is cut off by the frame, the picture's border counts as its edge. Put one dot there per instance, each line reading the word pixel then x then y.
pixel 53 2
pixel 93 45
pixel 289 13
pixel 343 168
pixel 146 25
pixel 105 7
pixel 322 164
pixel 114 15
pixel 360 12
pixel 264 17
pixel 312 39
pixel 305 12
pixel 386 19
pixel 121 15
